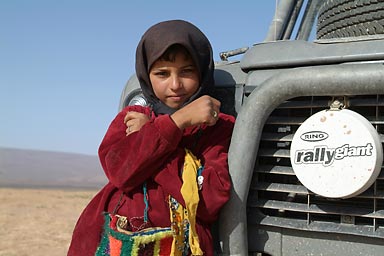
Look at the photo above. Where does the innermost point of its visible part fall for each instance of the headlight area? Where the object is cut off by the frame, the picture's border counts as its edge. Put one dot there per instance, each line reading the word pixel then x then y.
pixel 138 99
pixel 135 97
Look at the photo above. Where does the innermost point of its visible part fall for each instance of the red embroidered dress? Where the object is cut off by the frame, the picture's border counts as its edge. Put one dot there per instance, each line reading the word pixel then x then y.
pixel 155 154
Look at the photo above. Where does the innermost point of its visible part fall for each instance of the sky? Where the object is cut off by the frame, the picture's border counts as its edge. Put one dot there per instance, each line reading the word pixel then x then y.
pixel 64 64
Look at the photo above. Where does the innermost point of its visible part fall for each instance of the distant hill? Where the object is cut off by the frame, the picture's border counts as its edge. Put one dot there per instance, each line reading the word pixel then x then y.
pixel 34 168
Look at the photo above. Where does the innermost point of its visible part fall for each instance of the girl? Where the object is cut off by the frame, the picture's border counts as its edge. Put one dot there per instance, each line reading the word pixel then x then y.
pixel 146 145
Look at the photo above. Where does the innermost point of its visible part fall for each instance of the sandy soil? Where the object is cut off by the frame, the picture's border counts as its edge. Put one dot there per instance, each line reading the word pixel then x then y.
pixel 39 222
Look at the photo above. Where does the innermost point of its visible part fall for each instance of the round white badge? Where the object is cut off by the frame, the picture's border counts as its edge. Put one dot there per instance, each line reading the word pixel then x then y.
pixel 336 154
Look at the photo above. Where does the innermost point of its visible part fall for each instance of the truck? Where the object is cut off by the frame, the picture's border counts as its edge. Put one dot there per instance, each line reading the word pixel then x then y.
pixel 306 153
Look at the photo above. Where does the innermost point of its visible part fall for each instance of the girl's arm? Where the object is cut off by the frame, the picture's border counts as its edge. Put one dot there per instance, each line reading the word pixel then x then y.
pixel 129 160
pixel 216 187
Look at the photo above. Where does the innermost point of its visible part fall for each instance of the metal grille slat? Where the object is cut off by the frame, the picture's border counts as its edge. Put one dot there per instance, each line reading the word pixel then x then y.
pixel 325 103
pixel 305 104
pixel 369 194
pixel 318 226
pixel 277 137
pixel 275 169
pixel 366 102
pixel 279 187
pixel 286 120
pixel 287 170
pixel 323 209
pixel 300 189
pixel 300 120
pixel 274 153
pixel 376 122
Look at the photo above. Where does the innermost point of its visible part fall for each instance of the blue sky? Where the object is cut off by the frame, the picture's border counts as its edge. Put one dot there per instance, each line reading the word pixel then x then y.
pixel 63 64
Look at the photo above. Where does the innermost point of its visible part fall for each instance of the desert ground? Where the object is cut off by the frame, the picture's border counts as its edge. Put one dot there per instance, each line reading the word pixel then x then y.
pixel 39 221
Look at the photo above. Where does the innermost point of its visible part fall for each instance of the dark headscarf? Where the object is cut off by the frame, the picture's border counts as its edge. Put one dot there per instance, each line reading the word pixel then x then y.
pixel 156 40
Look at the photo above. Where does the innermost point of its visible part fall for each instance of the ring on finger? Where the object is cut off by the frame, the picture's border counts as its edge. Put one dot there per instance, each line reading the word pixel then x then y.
pixel 214 114
pixel 129 128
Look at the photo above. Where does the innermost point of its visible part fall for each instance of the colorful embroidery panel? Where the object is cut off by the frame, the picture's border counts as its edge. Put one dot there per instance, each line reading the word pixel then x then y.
pixel 150 241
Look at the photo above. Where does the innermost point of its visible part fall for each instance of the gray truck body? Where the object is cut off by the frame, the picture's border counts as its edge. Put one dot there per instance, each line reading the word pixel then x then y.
pixel 275 86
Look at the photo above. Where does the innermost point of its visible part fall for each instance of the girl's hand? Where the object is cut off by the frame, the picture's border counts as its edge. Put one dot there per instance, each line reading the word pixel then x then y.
pixel 134 121
pixel 204 110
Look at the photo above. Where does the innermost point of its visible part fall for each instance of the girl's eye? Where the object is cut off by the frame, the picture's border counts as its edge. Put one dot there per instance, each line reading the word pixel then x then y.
pixel 188 71
pixel 161 73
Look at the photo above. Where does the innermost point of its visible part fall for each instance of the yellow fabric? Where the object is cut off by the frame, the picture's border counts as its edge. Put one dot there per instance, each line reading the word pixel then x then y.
pixel 178 227
pixel 190 192
pixel 180 216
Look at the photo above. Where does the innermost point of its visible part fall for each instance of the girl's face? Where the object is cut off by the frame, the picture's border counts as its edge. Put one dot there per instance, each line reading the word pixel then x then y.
pixel 174 82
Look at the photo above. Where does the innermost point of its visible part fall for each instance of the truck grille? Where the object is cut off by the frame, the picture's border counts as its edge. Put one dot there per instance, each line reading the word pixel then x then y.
pixel 276 196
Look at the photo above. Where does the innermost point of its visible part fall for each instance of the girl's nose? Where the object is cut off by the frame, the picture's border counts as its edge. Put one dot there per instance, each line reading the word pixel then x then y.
pixel 176 82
